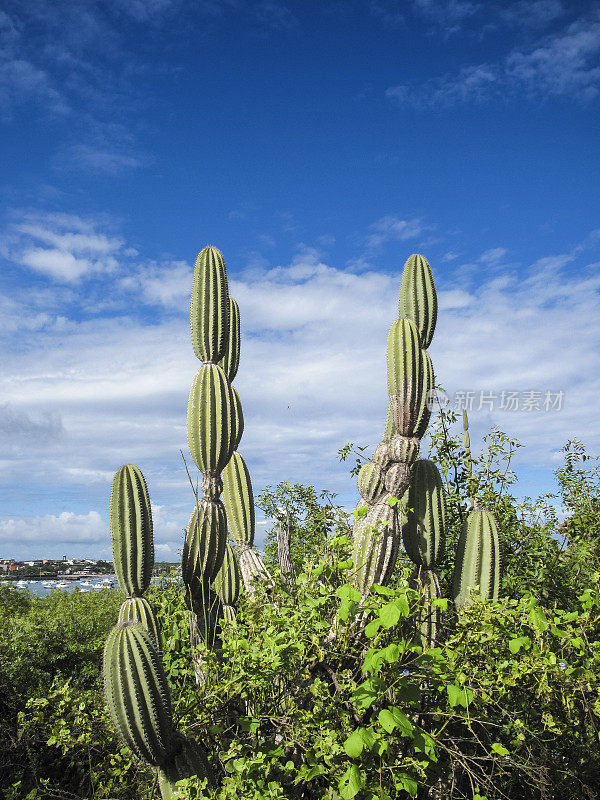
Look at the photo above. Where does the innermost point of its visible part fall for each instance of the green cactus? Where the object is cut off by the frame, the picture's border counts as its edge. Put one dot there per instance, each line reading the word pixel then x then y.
pixel 205 542
pixel 138 609
pixel 131 530
pixel 370 482
pixel 227 583
pixel 429 620
pixel 231 360
pixel 213 420
pixel 139 705
pixel 477 559
pixel 418 297
pixel 423 533
pixel 137 693
pixel 209 307
pixel 375 545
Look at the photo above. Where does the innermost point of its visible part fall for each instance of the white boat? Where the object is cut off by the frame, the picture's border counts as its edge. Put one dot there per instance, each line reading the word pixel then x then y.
pixel 22 583
pixel 61 585
pixel 86 583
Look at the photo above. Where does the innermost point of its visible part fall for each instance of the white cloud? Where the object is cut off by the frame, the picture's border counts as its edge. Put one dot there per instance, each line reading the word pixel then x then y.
pixel 113 390
pixel 564 63
pixel 392 228
pixel 63 247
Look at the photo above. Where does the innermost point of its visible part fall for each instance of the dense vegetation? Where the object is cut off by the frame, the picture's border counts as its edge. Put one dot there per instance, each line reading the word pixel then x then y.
pixel 508 706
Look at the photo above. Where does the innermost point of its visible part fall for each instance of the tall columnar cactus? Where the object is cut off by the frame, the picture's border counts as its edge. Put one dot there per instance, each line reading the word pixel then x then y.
pixel 139 704
pixel 410 382
pixel 477 559
pixel 133 545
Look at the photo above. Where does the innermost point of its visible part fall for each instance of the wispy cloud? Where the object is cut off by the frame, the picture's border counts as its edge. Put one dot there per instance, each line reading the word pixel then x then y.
pixel 562 64
pixel 393 228
pixel 61 246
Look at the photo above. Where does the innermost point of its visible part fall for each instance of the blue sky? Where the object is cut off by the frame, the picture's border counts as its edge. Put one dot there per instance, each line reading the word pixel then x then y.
pixel 317 145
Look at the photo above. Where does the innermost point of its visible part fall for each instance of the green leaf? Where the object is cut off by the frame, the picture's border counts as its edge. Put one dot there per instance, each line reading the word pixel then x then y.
pixel 354 744
pixel 458 696
pixel 372 628
pixel 389 615
pixel 408 783
pixel 367 693
pixel 497 748
pixel 351 783
pixel 391 718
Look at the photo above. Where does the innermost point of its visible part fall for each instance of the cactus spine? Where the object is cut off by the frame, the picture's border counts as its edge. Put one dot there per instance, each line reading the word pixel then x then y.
pixel 133 545
pixel 410 381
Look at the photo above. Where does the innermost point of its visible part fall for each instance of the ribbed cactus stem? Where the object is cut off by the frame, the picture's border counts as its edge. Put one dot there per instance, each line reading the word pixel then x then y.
pixel 138 609
pixel 137 694
pixel 424 532
pixel 477 559
pixel 231 360
pixel 209 306
pixel 131 530
pixel 227 583
pixel 375 545
pixel 284 546
pixel 418 298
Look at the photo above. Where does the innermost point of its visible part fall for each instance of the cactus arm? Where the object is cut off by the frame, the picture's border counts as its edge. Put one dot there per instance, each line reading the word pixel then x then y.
pixel 418 298
pixel 131 530
pixel 209 306
pixel 231 359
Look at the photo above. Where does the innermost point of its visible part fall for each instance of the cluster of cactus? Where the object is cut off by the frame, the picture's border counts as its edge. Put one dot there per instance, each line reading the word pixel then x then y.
pixel 403 501
pixel 394 469
pixel 215 426
pixel 395 473
pixel 135 685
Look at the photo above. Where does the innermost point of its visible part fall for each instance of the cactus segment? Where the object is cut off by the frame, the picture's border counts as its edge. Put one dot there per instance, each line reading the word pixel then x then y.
pixel 375 546
pixel 205 541
pixel 418 297
pixel 408 377
pixel 397 478
pixel 131 530
pixel 370 482
pixel 211 424
pixel 389 429
pixel 429 618
pixel 477 559
pixel 231 360
pixel 424 532
pixel 239 500
pixel 209 307
pixel 227 580
pixel 381 455
pixel 252 567
pixel 137 694
pixel 404 449
pixel 426 404
pixel 138 609
pixel 238 418
pixel 189 760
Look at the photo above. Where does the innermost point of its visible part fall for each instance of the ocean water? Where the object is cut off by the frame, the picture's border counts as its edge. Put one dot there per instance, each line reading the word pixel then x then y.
pixel 43 588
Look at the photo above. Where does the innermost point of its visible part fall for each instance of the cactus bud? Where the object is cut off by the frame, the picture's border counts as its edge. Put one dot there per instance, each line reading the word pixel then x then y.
pixel 423 533
pixel 131 530
pixel 209 308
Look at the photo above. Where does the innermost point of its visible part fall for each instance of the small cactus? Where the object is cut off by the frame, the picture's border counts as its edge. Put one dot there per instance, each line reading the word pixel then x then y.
pixel 477 559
